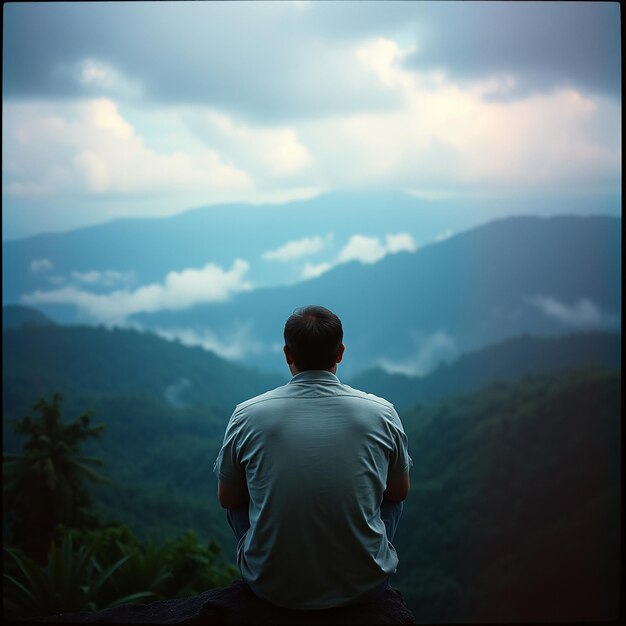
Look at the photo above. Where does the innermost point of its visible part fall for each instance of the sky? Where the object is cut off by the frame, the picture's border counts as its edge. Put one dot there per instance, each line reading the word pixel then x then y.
pixel 151 108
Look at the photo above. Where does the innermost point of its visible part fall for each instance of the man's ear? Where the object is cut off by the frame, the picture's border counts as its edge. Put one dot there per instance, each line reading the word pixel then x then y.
pixel 340 353
pixel 288 357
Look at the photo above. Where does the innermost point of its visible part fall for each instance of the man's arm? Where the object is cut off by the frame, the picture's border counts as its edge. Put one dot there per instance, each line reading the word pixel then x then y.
pixel 397 488
pixel 232 496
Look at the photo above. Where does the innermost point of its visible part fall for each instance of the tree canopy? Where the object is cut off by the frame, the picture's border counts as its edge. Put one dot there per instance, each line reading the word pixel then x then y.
pixel 43 487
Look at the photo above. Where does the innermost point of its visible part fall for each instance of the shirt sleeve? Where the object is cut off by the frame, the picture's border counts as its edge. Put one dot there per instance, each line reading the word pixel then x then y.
pixel 227 467
pixel 400 462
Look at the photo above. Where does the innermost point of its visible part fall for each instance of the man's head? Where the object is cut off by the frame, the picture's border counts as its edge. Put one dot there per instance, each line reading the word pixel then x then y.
pixel 313 337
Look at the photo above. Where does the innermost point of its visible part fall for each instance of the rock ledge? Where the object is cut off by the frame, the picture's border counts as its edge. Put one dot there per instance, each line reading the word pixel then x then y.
pixel 237 604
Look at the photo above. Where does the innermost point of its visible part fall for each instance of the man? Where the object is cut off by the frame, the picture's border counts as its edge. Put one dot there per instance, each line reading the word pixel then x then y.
pixel 313 475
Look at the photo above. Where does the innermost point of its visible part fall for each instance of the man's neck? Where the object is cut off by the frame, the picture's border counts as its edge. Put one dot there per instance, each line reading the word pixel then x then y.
pixel 294 370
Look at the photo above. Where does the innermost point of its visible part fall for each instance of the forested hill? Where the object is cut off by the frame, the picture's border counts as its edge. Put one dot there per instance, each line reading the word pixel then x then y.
pixel 165 407
pixel 15 315
pixel 82 362
pixel 514 511
pixel 508 360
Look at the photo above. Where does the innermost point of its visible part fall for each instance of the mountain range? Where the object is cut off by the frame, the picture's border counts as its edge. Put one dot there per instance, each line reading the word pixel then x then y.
pixel 512 359
pixel 453 280
pixel 139 251
pixel 411 311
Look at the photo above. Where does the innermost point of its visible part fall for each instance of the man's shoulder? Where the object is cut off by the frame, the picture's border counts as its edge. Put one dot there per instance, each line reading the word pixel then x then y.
pixel 268 395
pixel 381 407
pixel 284 391
pixel 364 395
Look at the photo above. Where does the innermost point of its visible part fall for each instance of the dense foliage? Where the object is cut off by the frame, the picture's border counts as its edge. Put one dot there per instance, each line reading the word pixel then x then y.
pixel 165 406
pixel 59 557
pixel 108 566
pixel 43 487
pixel 514 513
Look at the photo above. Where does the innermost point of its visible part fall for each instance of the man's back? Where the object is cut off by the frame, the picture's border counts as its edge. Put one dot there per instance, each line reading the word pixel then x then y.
pixel 316 457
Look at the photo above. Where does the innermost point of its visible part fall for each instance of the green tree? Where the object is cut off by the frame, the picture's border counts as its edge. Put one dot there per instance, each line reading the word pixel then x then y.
pixel 60 557
pixel 43 486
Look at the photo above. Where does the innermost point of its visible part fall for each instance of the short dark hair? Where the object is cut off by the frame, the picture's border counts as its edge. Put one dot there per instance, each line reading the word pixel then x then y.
pixel 313 335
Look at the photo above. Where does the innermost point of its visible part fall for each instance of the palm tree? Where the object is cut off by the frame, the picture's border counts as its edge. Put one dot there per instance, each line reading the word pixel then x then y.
pixel 43 486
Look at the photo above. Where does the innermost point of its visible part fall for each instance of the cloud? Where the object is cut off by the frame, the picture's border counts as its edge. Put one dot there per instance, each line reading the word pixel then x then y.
pixel 582 314
pixel 277 151
pixel 432 350
pixel 179 290
pixel 287 155
pixel 311 270
pixel 175 392
pixel 40 265
pixel 451 136
pixel 57 279
pixel 371 250
pixel 135 48
pixel 296 249
pixel 100 120
pixel 107 278
pixel 101 78
pixel 233 346
pixel 89 148
pixel 446 234
pixel 523 47
pixel 402 242
pixel 361 248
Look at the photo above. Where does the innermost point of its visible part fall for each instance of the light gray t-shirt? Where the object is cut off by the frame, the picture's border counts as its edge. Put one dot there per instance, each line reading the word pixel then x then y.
pixel 316 456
